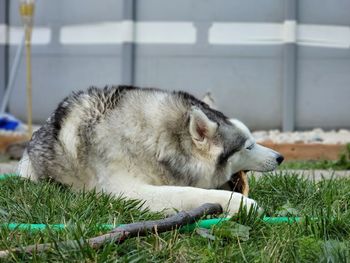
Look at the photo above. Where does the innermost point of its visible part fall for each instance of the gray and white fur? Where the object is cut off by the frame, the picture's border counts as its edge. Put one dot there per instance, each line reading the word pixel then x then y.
pixel 167 148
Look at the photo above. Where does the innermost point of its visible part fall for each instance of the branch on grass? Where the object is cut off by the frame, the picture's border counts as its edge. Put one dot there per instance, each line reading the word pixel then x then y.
pixel 121 233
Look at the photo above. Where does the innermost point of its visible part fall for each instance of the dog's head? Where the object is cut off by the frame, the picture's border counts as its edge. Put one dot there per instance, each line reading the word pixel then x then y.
pixel 228 144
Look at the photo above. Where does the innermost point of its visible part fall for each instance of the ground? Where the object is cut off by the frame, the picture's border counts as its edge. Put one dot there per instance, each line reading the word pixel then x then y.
pixel 323 236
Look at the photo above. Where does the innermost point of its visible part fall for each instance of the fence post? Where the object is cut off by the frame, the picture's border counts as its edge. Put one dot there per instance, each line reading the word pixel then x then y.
pixel 289 65
pixel 3 46
pixel 128 46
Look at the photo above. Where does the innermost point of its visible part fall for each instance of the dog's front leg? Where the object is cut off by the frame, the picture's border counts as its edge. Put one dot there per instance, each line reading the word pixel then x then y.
pixel 167 198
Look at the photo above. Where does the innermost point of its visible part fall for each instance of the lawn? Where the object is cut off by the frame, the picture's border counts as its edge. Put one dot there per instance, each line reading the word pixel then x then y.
pixel 324 235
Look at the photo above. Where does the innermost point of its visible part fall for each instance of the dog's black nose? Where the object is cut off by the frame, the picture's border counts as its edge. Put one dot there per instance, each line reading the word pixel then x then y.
pixel 279 159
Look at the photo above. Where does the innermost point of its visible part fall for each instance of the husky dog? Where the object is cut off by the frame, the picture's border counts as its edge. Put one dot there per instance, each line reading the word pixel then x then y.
pixel 167 148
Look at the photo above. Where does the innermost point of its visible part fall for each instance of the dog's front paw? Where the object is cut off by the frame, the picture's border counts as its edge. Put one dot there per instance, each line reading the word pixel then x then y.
pixel 235 204
pixel 252 204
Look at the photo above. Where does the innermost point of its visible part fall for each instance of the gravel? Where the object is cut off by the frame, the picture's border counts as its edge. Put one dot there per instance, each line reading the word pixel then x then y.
pixel 341 136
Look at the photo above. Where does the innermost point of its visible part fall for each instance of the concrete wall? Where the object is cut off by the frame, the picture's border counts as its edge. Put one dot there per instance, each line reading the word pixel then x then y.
pixel 234 49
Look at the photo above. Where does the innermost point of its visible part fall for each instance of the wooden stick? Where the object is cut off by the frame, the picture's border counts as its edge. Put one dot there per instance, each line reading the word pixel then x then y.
pixel 121 233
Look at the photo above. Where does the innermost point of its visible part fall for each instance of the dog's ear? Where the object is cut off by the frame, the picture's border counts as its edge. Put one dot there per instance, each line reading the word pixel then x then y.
pixel 201 128
pixel 208 99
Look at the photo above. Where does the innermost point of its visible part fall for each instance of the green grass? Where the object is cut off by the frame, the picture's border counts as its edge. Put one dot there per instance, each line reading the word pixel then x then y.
pixel 246 239
pixel 4 158
pixel 316 165
pixel 343 163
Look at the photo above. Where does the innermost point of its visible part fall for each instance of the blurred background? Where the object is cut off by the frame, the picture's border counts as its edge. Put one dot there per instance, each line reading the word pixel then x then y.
pixel 273 64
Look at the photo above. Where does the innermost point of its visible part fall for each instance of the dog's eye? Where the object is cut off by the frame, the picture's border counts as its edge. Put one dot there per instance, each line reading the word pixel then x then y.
pixel 250 147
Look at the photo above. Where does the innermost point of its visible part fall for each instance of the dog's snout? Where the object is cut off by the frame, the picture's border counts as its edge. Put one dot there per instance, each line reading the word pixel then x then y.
pixel 279 159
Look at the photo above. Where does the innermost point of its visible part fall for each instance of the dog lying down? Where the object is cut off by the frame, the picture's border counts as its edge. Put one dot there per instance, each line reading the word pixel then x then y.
pixel 167 148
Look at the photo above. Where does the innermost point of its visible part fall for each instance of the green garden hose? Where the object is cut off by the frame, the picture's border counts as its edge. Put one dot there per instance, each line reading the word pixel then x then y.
pixel 207 223
pixel 4 176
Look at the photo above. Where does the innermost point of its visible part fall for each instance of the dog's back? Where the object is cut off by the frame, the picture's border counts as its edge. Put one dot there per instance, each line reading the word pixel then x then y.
pixel 115 127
